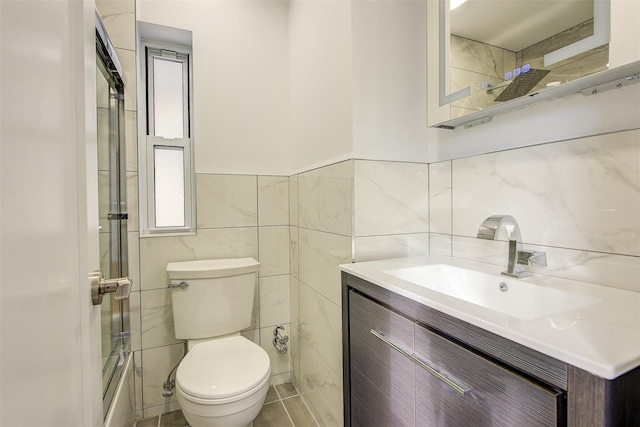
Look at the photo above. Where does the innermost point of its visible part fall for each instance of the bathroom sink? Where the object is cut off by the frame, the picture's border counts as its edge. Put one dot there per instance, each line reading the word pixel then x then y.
pixel 518 298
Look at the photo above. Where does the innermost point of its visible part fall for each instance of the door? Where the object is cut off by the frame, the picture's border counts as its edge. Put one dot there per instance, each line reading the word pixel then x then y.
pixel 114 313
pixel 49 329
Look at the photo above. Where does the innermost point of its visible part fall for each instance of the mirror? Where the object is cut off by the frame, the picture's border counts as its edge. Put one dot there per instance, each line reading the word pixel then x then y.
pixel 492 52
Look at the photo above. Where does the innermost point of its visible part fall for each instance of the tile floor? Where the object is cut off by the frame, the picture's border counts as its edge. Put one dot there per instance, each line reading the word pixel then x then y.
pixel 283 407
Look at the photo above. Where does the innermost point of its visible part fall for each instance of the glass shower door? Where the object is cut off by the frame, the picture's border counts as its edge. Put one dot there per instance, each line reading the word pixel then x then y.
pixel 115 337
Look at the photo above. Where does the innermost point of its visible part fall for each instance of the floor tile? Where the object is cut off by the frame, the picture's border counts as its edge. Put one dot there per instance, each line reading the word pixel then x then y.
pixel 272 396
pixel 272 415
pixel 148 422
pixel 286 390
pixel 282 406
pixel 298 412
pixel 173 419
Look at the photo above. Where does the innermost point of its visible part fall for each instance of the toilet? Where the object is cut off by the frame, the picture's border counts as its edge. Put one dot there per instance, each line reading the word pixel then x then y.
pixel 223 379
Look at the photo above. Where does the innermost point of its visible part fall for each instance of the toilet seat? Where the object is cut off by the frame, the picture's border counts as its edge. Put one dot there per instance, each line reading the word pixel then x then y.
pixel 222 371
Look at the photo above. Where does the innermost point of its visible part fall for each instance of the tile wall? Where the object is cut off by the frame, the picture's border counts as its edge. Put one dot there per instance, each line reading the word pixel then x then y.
pixel 578 200
pixel 238 216
pixel 356 209
pixel 391 209
pixel 321 230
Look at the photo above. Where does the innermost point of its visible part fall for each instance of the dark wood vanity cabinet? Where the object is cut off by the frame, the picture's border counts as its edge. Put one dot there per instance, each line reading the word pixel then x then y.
pixel 408 365
pixel 493 396
pixel 382 376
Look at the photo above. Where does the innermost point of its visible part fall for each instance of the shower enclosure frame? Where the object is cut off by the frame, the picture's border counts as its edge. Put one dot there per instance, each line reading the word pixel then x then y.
pixel 113 215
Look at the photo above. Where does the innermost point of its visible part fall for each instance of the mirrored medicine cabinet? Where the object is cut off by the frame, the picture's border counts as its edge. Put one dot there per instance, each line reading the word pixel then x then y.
pixel 487 57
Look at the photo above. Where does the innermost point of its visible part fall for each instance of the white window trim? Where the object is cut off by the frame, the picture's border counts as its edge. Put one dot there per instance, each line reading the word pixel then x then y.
pixel 147 142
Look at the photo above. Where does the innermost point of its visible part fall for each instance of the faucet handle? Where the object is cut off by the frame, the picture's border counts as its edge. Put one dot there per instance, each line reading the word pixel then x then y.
pixel 528 257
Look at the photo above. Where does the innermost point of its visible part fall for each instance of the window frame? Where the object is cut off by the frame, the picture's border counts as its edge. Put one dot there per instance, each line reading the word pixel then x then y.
pixel 173 56
pixel 146 162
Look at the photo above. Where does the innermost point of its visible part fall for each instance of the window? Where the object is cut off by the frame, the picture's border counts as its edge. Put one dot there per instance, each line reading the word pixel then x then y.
pixel 167 183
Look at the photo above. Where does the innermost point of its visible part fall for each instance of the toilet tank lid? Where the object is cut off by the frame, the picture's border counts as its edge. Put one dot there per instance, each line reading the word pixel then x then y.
pixel 207 268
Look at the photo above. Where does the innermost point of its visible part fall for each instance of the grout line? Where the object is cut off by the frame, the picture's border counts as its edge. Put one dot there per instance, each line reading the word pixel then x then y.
pixel 280 400
pixel 277 394
pixel 287 412
pixel 305 407
pixel 299 394
pixel 308 410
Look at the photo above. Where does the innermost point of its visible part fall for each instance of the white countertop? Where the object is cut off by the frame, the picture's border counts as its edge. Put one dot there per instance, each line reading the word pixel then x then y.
pixel 602 338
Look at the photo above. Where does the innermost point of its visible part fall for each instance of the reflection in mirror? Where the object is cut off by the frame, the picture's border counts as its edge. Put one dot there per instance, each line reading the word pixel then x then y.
pixel 502 50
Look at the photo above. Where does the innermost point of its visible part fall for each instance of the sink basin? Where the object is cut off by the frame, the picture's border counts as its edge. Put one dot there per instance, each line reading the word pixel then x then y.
pixel 518 298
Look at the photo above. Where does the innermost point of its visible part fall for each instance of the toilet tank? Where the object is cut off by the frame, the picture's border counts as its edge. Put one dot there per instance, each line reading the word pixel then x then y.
pixel 213 297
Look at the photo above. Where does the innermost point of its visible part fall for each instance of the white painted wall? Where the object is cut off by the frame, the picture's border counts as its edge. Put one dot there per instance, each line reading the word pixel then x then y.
pixel 320 52
pixel 389 80
pixel 241 76
pixel 50 332
pixel 273 82
pixel 358 81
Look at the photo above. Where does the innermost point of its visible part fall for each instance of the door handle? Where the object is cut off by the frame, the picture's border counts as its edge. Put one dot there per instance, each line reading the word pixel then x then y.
pixel 100 286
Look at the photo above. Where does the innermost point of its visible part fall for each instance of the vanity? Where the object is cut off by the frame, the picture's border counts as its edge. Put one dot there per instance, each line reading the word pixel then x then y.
pixel 439 341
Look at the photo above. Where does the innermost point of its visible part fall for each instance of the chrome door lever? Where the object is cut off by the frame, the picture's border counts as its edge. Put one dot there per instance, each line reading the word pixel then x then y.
pixel 100 286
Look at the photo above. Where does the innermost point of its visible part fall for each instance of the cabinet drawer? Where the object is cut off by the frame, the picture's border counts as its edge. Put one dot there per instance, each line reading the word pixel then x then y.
pixel 382 389
pixel 495 396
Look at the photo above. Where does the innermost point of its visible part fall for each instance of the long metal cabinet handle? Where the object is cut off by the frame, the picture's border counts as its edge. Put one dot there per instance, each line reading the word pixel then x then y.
pixel 412 356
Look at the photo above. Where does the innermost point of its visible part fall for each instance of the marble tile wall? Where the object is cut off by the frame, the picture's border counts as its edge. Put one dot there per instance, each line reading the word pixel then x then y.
pixel 321 239
pixel 391 215
pixel 356 209
pixel 578 200
pixel 238 216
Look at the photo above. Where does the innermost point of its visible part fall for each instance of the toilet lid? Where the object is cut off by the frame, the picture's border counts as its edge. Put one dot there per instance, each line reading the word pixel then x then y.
pixel 222 368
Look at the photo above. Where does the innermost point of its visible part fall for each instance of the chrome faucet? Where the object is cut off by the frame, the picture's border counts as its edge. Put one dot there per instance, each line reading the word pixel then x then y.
pixel 489 231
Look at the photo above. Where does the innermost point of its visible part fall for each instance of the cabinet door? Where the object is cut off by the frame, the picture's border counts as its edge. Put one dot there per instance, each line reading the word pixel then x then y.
pixel 382 387
pixel 496 396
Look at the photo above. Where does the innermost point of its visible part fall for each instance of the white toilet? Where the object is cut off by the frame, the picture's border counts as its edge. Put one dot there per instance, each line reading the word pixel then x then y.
pixel 224 377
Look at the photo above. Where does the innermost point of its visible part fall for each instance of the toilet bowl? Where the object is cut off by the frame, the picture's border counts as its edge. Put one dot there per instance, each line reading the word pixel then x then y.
pixel 223 379
pixel 223 382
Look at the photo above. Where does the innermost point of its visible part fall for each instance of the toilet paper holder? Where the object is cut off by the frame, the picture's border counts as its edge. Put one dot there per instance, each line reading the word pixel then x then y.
pixel 280 339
